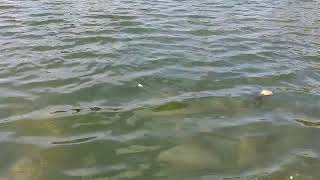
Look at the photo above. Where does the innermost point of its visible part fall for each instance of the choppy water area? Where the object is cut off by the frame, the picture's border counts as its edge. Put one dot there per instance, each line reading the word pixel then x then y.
pixel 70 107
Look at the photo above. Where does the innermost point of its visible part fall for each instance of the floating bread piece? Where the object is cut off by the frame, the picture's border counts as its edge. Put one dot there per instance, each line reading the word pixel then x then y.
pixel 266 93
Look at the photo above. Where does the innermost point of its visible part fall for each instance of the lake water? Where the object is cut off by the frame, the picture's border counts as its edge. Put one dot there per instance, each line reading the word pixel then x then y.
pixel 159 89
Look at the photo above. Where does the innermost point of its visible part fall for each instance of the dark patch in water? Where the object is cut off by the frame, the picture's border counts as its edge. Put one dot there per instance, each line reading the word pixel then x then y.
pixel 258 100
pixel 8 7
pixel 58 112
pixel 95 109
pixel 170 106
pixel 115 109
pixel 77 110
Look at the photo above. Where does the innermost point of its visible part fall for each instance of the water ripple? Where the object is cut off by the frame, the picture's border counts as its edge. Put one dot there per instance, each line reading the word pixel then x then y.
pixel 70 99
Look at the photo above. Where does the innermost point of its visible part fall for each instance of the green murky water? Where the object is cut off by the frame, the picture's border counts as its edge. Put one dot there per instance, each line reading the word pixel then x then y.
pixel 71 107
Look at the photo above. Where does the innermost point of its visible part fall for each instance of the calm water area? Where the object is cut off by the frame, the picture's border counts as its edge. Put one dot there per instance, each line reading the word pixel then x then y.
pixel 159 89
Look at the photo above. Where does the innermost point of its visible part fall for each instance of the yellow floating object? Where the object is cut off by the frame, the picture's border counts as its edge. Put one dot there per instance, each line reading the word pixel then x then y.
pixel 266 93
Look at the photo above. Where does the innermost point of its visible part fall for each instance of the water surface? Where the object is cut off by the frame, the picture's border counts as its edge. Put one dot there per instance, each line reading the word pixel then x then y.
pixel 70 107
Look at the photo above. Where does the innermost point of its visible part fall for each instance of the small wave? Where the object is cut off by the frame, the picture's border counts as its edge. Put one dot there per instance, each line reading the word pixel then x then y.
pixel 74 141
